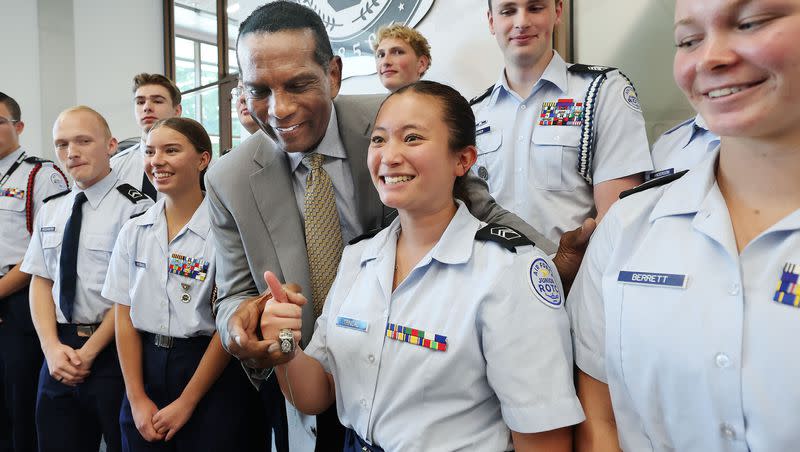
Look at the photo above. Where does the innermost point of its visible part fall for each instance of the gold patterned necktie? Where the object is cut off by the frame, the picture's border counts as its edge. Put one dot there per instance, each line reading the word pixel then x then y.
pixel 323 232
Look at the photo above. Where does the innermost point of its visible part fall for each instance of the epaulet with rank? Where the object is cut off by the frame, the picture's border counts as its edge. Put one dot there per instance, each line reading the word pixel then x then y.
pixel 57 195
pixel 130 192
pixel 590 69
pixel 509 238
pixel 482 96
pixel 367 235
pixel 136 215
pixel 657 182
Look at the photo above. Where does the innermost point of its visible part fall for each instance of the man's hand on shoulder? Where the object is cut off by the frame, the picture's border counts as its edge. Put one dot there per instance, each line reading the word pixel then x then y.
pixel 571 249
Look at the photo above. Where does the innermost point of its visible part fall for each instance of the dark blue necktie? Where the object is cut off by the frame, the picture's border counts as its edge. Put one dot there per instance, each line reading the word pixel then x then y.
pixel 67 265
pixel 148 188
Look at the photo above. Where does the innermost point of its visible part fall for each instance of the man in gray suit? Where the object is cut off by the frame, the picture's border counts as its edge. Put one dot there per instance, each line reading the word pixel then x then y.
pixel 291 80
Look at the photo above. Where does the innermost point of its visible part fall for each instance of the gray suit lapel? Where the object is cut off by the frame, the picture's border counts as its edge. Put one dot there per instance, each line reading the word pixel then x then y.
pixel 274 196
pixel 355 126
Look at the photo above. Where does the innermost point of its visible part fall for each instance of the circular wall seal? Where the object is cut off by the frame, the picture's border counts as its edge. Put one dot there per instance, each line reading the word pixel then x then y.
pixel 542 281
pixel 351 25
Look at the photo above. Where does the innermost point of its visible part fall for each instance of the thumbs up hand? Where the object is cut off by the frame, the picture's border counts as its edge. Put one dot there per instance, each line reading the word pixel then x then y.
pixel 283 311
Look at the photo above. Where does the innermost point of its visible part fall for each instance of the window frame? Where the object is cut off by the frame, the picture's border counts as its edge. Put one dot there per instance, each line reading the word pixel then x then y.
pixel 225 79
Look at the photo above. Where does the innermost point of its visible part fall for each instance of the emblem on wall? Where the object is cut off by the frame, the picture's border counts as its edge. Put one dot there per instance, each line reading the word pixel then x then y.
pixel 351 26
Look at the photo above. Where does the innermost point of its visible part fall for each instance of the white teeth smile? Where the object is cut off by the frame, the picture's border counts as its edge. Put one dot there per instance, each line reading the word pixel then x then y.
pixel 397 179
pixel 287 129
pixel 725 91
pixel 161 175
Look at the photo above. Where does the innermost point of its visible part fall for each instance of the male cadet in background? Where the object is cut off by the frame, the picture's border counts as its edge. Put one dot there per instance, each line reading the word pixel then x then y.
pixel 80 383
pixel 289 204
pixel 557 143
pixel 242 112
pixel 154 97
pixel 682 147
pixel 25 182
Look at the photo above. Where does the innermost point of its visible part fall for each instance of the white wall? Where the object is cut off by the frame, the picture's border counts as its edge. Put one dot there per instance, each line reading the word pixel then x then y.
pixel 115 40
pixel 59 53
pixel 19 75
pixel 635 36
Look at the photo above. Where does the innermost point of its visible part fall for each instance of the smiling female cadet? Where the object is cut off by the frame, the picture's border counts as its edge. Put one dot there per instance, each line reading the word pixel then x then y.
pixel 687 309
pixel 426 320
pixel 181 386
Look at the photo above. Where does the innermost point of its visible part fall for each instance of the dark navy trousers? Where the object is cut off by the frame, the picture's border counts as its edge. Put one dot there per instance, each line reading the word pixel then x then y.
pixel 74 419
pixel 354 443
pixel 222 421
pixel 20 361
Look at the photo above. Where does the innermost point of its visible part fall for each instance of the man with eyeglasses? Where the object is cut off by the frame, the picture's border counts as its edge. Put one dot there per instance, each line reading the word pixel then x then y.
pixel 155 97
pixel 26 182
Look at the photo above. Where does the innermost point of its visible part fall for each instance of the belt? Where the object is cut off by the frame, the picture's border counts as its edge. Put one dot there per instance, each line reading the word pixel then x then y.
pixel 80 330
pixel 162 341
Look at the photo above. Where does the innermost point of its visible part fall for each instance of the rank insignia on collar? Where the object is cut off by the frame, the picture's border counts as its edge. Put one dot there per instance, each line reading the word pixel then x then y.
pixel 190 267
pixel 564 112
pixel 788 292
pixel 12 193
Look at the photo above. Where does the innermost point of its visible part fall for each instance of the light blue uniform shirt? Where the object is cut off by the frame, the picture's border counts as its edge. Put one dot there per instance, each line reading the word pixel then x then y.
pixel 532 170
pixel 163 302
pixel 508 362
pixel 129 165
pixel 683 147
pixel 13 196
pixel 104 213
pixel 709 367
pixel 338 169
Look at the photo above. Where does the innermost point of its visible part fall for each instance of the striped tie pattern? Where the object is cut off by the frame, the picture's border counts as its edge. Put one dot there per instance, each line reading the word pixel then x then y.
pixel 323 232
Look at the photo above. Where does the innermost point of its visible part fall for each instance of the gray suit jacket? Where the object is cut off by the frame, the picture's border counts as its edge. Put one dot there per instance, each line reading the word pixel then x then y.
pixel 258 226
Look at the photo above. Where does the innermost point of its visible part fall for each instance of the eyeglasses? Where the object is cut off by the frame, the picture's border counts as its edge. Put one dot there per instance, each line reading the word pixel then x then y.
pixel 4 121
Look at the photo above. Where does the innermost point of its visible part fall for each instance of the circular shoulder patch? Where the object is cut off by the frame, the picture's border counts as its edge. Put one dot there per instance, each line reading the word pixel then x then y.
pixel 58 181
pixel 631 99
pixel 542 281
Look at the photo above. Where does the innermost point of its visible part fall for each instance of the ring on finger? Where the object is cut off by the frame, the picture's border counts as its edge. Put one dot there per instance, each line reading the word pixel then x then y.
pixel 286 339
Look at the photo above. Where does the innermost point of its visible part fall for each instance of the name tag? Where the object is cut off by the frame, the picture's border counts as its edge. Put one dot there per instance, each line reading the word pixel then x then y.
pixel 653 279
pixel 662 173
pixel 353 324
pixel 482 130
pixel 140 264
pixel 48 229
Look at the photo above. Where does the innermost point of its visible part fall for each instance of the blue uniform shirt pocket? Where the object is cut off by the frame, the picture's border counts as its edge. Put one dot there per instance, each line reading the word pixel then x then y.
pixel 555 150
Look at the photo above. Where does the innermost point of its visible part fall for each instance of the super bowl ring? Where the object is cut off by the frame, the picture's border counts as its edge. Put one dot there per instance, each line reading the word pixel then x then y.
pixel 286 339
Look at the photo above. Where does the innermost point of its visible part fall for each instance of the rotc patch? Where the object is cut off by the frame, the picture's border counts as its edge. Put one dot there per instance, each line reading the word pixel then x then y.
pixel 58 181
pixel 190 267
pixel 564 112
pixel 542 281
pixel 416 337
pixel 788 291
pixel 12 193
pixel 631 99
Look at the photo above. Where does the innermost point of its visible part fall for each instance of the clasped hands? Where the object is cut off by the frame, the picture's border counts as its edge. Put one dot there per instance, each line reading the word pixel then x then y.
pixel 254 328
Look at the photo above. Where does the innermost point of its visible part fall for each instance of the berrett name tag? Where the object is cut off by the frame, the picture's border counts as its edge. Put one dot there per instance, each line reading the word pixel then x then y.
pixel 353 324
pixel 653 279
